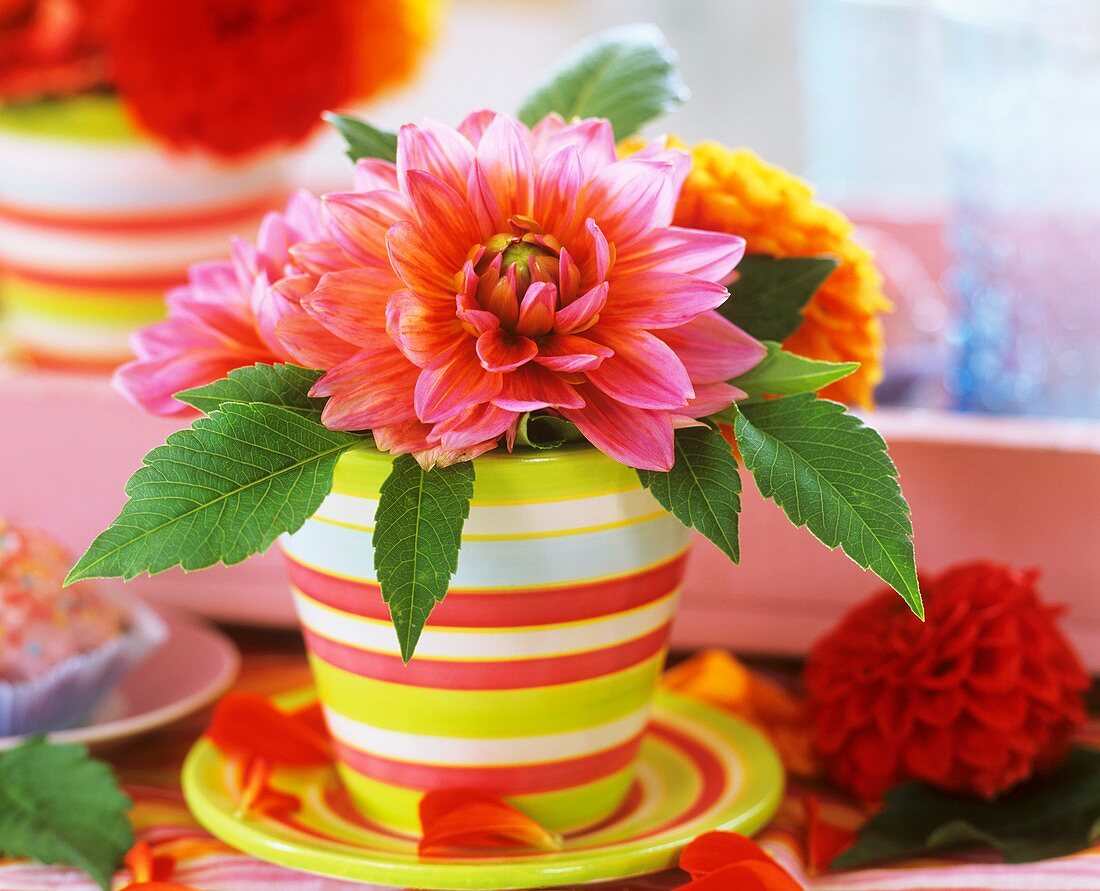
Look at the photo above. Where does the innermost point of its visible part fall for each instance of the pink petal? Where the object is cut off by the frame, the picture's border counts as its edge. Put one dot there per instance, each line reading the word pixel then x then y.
pixel 352 305
pixel 557 185
pixel 536 310
pixel 593 138
pixel 469 312
pixel 436 149
pixel 583 312
pixel 272 303
pixel 644 372
pixel 632 436
pixel 501 351
pixel 661 299
pixel 476 425
pixel 304 216
pixel 569 354
pixel 569 278
pixel 372 174
pixel 713 349
pixel 151 384
pixel 531 387
pixel 417 265
pixel 631 197
pixel 445 215
pixel 319 257
pixel 475 124
pixel 601 250
pixel 310 344
pixel 504 157
pixel 454 381
pixel 709 255
pixel 371 389
pixel 400 439
pixel 359 221
pixel 711 398
pixel 421 327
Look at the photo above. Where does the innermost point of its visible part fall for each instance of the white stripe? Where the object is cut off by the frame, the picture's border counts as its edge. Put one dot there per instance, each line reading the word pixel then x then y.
pixel 530 562
pixel 60 250
pixel 535 518
pixel 56 176
pixel 87 340
pixel 488 644
pixel 447 750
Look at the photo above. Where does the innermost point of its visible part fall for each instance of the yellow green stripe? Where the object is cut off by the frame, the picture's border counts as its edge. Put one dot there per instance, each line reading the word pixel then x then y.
pixel 568 810
pixel 565 474
pixel 487 714
pixel 95 118
pixel 105 306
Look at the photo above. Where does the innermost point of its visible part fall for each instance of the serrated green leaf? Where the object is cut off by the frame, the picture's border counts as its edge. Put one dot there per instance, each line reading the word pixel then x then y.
pixel 219 492
pixel 364 140
pixel 832 474
pixel 285 385
pixel 1046 817
pixel 787 374
pixel 770 292
pixel 703 489
pixel 57 805
pixel 545 431
pixel 627 75
pixel 417 534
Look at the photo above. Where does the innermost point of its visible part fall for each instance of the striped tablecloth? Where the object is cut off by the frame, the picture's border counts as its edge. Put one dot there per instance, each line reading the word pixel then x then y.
pixel 149 769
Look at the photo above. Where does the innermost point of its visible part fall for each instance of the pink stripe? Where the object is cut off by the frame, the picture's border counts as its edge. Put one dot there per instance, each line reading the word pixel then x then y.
pixel 486 609
pixel 524 779
pixel 497 675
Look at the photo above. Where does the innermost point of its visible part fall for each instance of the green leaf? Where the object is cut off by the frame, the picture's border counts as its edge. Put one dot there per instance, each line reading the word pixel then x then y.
pixel 831 473
pixel 768 297
pixel 417 534
pixel 1046 817
pixel 218 492
pixel 703 489
pixel 787 374
pixel 627 75
pixel 545 431
pixel 57 805
pixel 285 385
pixel 363 139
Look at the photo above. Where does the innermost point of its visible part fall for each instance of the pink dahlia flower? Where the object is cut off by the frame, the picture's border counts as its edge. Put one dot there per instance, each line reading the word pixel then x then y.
pixel 498 270
pixel 225 316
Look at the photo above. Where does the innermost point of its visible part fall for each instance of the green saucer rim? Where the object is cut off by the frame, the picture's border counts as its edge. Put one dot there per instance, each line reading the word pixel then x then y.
pixel 749 812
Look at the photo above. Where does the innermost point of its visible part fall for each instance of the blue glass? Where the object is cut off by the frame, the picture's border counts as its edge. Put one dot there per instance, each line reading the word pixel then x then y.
pixel 1022 126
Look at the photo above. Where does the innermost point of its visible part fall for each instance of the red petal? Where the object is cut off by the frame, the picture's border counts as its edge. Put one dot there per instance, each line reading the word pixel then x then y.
pixel 713 850
pixel 750 875
pixel 247 726
pixel 823 840
pixel 466 818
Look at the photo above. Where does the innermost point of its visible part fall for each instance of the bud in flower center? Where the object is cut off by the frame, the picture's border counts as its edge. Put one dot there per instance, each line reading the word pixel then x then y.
pixel 507 265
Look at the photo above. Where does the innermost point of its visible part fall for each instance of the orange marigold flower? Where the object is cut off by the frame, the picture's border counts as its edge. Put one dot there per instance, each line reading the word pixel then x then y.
pixel 734 191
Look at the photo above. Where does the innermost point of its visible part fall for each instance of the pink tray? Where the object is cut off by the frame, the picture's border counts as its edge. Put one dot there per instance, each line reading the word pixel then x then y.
pixel 1024 491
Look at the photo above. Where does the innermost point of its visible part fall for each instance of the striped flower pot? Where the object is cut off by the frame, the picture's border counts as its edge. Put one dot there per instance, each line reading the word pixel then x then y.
pixel 97 222
pixel 534 678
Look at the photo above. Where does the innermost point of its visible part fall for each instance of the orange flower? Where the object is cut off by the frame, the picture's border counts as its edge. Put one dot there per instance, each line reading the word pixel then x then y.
pixel 716 677
pixel 466 818
pixel 392 37
pixel 723 861
pixel 735 191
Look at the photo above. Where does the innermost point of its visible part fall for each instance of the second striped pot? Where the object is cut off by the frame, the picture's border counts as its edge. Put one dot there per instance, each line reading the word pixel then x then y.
pixel 533 679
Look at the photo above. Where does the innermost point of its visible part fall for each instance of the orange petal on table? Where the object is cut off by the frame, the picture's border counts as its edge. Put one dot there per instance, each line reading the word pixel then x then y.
pixel 258 796
pixel 749 875
pixel 246 725
pixel 713 850
pixel 145 866
pixel 711 675
pixel 467 818
pixel 824 841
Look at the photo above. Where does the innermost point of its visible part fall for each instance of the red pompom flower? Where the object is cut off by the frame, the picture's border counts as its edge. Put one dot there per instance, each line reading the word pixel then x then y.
pixel 983 694
pixel 231 76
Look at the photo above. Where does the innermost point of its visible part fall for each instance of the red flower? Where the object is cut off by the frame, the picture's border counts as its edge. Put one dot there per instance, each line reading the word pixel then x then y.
pixel 50 47
pixel 986 692
pixel 232 76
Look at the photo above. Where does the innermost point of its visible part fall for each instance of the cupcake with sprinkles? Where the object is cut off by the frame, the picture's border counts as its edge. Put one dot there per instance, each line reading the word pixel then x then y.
pixel 62 650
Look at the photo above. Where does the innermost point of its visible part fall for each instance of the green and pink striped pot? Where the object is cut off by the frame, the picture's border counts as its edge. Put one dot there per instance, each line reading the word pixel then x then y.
pixel 534 679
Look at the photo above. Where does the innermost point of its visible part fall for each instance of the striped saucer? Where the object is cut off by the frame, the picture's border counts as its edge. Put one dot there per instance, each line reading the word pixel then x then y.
pixel 700 769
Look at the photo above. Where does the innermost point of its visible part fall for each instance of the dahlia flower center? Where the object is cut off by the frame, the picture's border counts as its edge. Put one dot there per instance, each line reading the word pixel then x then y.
pixel 507 266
